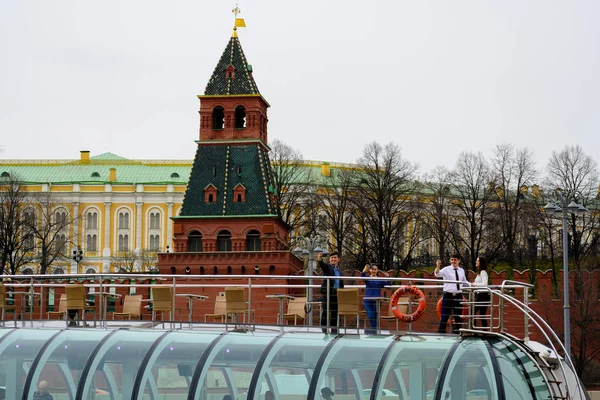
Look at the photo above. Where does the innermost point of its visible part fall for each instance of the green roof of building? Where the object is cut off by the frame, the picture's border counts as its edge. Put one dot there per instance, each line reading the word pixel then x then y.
pixel 240 82
pixel 97 170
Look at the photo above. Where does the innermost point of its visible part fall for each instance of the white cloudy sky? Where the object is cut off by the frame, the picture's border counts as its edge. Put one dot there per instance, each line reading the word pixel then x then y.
pixel 436 77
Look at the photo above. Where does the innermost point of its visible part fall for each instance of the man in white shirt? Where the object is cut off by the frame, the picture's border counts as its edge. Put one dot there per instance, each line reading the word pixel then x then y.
pixel 452 298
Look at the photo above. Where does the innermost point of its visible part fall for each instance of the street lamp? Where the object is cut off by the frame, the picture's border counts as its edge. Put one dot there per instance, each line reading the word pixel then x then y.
pixel 309 246
pixel 563 209
pixel 77 257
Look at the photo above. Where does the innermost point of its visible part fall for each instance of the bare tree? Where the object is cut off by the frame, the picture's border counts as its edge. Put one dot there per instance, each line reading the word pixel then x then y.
pixel 15 246
pixel 513 171
pixel 143 260
pixel 292 182
pixel 576 175
pixel 385 188
pixel 48 223
pixel 437 214
pixel 334 197
pixel 472 192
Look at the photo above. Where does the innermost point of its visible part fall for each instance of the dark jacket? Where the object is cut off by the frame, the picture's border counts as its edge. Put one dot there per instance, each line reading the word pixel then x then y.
pixel 328 270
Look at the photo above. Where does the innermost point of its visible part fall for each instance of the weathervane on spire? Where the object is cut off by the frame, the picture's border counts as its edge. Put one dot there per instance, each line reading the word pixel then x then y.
pixel 239 22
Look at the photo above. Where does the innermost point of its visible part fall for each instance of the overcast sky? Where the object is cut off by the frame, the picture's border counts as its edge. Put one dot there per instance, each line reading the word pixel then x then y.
pixel 435 77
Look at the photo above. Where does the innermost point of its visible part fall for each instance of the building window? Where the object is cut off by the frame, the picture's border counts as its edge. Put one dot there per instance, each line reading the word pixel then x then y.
pixel 218 117
pixel 92 220
pixel 154 220
pixel 224 241
pixel 253 241
pixel 210 194
pixel 154 242
pixel 239 193
pixel 123 220
pixel 90 242
pixel 240 117
pixel 123 243
pixel 60 218
pixel 195 242
pixel 60 242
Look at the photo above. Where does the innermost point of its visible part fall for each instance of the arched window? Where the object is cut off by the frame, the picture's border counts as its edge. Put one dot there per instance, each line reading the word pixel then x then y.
pixel 173 270
pixel 218 117
pixel 58 271
pixel 229 270
pixel 27 271
pixel 155 220
pixel 154 242
pixel 253 241
pixel 195 242
pixel 240 117
pixel 92 220
pixel 90 271
pixel 271 270
pixel 123 220
pixel 90 242
pixel 60 243
pixel 123 243
pixel 215 270
pixel 5 175
pixel 224 241
pixel 60 218
pixel 201 270
pixel 243 270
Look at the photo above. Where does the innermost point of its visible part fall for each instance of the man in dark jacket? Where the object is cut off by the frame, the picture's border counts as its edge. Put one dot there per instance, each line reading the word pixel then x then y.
pixel 330 269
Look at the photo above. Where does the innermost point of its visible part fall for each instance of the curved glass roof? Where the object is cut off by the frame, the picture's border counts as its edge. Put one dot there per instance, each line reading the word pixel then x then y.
pixel 208 365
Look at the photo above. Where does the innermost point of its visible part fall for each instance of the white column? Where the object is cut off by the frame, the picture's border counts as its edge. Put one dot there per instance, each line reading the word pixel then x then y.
pixel 76 239
pixel 138 223
pixel 107 228
pixel 169 238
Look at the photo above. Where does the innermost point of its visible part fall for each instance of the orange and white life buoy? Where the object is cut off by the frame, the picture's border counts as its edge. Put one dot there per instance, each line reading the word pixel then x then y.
pixel 438 308
pixel 415 293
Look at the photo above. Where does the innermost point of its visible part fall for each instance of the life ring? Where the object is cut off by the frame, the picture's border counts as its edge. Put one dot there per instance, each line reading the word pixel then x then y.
pixel 438 308
pixel 414 292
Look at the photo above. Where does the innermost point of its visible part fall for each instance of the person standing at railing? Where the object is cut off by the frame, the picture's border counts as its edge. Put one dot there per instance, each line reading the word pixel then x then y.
pixel 482 298
pixel 330 269
pixel 452 298
pixel 373 289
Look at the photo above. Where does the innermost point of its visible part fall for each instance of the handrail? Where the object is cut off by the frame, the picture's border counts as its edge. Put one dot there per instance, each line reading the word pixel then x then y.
pixel 527 310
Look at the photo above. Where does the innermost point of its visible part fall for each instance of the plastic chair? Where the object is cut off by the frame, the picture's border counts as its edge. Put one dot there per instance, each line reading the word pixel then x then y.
pixel 235 303
pixel 76 301
pixel 349 305
pixel 132 307
pixel 5 306
pixel 295 310
pixel 162 300
pixel 62 308
pixel 220 309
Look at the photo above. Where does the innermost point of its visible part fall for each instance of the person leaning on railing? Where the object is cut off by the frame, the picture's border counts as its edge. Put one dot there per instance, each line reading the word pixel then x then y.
pixel 330 269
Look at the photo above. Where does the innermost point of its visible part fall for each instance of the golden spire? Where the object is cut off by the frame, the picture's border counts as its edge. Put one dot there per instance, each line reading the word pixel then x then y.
pixel 239 22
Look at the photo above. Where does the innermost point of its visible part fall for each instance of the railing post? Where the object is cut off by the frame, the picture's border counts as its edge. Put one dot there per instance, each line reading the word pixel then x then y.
pixel 249 311
pixel 526 313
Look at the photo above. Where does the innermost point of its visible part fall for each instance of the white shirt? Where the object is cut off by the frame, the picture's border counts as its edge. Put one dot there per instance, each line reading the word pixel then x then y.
pixel 449 275
pixel 481 279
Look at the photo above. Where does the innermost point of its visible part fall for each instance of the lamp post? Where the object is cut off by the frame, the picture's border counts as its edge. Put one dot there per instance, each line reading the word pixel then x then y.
pixel 564 209
pixel 77 257
pixel 309 246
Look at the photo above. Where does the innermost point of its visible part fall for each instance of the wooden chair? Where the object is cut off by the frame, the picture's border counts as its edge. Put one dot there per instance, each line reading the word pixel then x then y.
pixel 132 307
pixel 162 301
pixel 349 305
pixel 295 310
pixel 220 309
pixel 62 308
pixel 5 307
pixel 76 300
pixel 402 307
pixel 235 303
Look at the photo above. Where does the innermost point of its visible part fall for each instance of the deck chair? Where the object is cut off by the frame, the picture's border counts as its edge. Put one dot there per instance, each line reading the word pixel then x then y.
pixel 162 301
pixel 62 308
pixel 295 311
pixel 132 307
pixel 349 305
pixel 220 309
pixel 76 300
pixel 235 303
pixel 402 307
pixel 4 307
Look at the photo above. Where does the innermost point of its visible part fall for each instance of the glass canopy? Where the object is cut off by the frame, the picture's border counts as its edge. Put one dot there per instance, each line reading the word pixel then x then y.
pixel 209 365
